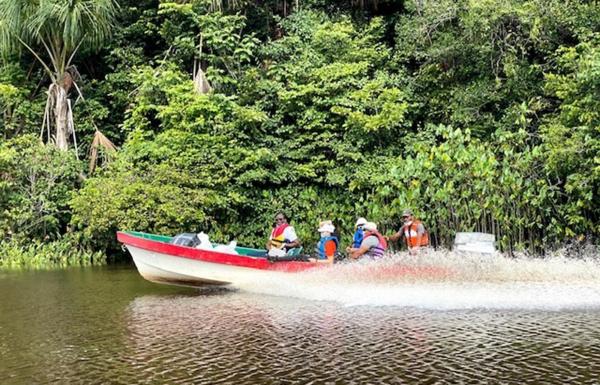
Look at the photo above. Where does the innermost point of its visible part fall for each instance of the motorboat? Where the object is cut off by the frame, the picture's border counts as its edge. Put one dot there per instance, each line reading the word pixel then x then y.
pixel 159 260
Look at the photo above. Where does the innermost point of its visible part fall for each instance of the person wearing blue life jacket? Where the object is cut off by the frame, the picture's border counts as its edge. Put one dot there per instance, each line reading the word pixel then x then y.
pixel 327 245
pixel 359 233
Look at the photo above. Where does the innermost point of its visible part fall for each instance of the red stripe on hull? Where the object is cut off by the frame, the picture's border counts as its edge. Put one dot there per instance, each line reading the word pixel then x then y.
pixel 212 256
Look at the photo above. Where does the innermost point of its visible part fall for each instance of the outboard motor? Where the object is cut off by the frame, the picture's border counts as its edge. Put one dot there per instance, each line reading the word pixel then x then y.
pixel 186 239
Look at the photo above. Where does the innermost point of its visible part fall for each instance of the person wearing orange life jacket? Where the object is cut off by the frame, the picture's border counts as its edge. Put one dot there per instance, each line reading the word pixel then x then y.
pixel 413 232
pixel 372 246
pixel 283 236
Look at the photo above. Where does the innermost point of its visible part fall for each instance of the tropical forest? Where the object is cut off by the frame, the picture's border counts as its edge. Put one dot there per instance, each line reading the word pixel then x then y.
pixel 171 116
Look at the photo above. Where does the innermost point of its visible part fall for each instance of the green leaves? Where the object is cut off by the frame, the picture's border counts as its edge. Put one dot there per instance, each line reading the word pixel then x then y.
pixel 36 184
pixel 327 126
pixel 571 136
pixel 466 111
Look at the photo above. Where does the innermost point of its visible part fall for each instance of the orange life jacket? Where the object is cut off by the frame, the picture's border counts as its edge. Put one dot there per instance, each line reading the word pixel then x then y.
pixel 410 233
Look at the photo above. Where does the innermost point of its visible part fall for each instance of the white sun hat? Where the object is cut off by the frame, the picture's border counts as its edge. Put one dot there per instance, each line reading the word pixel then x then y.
pixel 360 221
pixel 326 227
pixel 370 226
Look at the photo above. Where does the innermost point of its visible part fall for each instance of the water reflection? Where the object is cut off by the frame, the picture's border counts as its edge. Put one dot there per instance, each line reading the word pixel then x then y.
pixel 240 338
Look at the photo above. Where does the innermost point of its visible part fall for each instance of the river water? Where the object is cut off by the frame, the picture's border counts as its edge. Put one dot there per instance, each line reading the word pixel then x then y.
pixel 441 320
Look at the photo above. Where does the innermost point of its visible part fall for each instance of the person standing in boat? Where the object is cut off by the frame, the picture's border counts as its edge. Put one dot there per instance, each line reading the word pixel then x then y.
pixel 283 236
pixel 359 233
pixel 413 231
pixel 373 245
pixel 328 243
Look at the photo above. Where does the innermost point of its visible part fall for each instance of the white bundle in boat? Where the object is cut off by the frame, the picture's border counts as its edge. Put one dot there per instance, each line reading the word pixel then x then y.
pixel 229 249
pixel 204 241
pixel 205 244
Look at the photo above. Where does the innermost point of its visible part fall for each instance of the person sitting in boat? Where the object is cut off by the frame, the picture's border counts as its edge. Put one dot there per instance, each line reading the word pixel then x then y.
pixel 413 231
pixel 283 236
pixel 373 244
pixel 359 233
pixel 328 244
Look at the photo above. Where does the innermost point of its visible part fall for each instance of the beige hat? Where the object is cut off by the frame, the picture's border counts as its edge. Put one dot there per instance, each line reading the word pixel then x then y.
pixel 371 226
pixel 407 212
pixel 326 227
pixel 360 221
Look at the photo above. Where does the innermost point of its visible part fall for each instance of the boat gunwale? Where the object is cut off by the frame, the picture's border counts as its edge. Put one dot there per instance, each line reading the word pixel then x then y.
pixel 211 256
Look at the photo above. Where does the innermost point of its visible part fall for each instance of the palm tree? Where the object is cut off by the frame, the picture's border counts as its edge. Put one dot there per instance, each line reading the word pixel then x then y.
pixel 54 31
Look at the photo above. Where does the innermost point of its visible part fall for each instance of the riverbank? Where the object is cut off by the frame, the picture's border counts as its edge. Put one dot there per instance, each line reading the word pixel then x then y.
pixel 50 255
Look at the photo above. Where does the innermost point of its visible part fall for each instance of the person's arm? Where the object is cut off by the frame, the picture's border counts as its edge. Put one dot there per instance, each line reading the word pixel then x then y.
pixel 357 253
pixel 269 244
pixel 394 237
pixel 365 246
pixel 292 244
pixel 329 259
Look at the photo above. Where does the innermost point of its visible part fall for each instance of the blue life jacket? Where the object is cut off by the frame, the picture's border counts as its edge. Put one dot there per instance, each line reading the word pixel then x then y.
pixel 320 249
pixel 358 238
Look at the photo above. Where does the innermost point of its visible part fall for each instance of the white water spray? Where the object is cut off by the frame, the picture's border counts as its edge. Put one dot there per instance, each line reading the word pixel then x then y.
pixel 446 280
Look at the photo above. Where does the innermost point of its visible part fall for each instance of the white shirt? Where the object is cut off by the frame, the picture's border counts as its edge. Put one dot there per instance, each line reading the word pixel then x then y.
pixel 289 234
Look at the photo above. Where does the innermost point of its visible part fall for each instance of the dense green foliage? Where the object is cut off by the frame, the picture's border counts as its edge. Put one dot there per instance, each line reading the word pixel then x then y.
pixel 38 182
pixel 479 115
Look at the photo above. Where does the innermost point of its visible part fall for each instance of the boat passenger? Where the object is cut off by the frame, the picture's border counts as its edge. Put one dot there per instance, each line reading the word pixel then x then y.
pixel 413 231
pixel 372 246
pixel 283 236
pixel 359 233
pixel 328 244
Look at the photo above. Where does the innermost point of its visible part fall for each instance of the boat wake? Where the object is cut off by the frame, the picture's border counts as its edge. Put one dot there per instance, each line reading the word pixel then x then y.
pixel 446 281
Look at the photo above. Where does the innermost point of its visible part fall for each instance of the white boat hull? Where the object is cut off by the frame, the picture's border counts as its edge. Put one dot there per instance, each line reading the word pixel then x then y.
pixel 161 268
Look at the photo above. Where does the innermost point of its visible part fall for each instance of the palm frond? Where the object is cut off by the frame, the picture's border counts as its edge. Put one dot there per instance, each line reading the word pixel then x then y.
pixel 62 24
pixel 89 20
pixel 100 142
pixel 13 15
pixel 201 84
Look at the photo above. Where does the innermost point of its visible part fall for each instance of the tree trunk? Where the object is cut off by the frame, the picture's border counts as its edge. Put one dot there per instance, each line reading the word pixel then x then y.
pixel 61 113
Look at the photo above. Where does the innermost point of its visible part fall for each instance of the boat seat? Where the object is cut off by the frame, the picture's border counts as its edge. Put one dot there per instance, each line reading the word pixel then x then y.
pixel 294 252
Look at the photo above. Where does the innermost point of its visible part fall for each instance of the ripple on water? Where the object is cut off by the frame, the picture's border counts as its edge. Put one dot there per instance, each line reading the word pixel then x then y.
pixel 331 327
pixel 249 341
